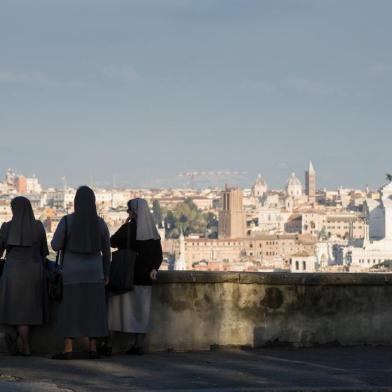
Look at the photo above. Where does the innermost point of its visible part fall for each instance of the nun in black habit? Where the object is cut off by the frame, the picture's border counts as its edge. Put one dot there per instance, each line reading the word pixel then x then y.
pixel 130 312
pixel 23 297
pixel 85 239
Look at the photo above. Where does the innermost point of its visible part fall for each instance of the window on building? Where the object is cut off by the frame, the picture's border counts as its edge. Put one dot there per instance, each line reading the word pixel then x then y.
pixel 297 265
pixel 304 265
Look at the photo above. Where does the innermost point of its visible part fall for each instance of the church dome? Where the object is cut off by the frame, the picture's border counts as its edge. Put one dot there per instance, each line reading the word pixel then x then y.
pixel 294 186
pixel 260 186
pixel 293 180
pixel 260 180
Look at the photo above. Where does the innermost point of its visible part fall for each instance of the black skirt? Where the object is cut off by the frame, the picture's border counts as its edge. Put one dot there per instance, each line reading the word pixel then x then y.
pixel 23 295
pixel 82 312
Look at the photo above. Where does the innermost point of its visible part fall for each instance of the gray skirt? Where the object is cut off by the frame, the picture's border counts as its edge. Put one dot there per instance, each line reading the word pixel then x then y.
pixel 82 312
pixel 130 312
pixel 23 295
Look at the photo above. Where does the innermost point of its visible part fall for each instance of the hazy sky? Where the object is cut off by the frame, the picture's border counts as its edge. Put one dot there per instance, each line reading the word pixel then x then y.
pixel 146 89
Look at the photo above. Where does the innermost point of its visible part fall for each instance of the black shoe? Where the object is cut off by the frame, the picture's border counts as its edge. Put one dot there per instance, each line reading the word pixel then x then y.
pixel 12 344
pixel 22 354
pixel 135 351
pixel 93 355
pixel 105 351
pixel 63 356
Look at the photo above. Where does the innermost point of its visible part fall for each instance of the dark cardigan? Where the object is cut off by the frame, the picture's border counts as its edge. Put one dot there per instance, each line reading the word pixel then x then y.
pixel 149 252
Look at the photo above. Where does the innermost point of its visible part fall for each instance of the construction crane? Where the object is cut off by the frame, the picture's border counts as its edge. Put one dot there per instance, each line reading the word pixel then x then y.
pixel 211 176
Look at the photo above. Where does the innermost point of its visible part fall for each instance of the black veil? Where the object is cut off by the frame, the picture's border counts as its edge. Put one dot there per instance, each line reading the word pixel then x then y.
pixel 85 234
pixel 21 231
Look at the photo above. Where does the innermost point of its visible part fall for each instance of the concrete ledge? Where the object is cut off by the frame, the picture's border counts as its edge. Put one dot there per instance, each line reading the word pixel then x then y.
pixel 277 278
pixel 202 310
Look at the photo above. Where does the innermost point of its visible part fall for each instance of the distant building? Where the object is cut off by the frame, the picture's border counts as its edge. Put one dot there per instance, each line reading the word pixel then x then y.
pixel 266 249
pixel 333 224
pixel 294 187
pixel 260 187
pixel 376 248
pixel 21 185
pixel 232 217
pixel 303 262
pixel 33 185
pixel 310 183
pixel 203 203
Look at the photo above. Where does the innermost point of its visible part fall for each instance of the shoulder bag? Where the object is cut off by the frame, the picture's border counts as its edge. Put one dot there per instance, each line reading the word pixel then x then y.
pixel 55 271
pixel 122 268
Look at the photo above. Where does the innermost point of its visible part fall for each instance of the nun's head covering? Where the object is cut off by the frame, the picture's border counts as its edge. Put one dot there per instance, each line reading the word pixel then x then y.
pixel 145 225
pixel 21 231
pixel 85 234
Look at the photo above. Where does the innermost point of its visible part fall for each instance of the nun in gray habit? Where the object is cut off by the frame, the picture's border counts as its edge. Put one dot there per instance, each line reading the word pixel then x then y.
pixel 84 237
pixel 23 298
pixel 130 312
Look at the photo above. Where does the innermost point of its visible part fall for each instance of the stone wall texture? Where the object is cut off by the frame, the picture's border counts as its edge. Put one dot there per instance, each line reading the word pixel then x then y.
pixel 206 310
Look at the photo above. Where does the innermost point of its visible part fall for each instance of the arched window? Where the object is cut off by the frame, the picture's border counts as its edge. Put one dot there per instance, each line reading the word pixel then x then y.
pixel 304 265
pixel 297 265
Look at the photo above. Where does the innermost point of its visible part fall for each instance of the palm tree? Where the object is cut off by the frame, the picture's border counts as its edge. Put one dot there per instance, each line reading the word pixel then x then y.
pixel 389 177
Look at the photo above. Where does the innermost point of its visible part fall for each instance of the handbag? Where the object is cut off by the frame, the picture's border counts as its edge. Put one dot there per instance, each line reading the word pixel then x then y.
pixel 122 269
pixel 54 272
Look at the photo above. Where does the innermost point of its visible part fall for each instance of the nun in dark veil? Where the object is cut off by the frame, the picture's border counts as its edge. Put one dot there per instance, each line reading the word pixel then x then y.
pixel 84 238
pixel 23 298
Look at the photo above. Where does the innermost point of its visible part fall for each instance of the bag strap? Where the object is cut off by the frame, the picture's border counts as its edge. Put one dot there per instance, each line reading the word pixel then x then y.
pixel 61 252
pixel 128 236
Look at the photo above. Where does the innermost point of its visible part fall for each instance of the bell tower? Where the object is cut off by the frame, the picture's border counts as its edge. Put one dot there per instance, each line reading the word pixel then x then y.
pixel 232 217
pixel 310 183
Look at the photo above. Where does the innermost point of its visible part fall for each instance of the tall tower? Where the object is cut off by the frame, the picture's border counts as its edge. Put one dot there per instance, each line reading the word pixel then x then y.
pixel 232 217
pixel 180 263
pixel 310 183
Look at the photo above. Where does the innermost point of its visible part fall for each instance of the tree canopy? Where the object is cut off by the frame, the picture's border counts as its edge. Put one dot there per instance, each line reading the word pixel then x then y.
pixel 188 218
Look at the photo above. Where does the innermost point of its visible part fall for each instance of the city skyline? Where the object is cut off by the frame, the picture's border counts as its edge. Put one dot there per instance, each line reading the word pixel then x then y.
pixel 148 89
pixel 183 180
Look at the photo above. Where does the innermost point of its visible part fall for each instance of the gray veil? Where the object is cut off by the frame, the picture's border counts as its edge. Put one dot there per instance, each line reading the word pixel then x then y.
pixel 145 225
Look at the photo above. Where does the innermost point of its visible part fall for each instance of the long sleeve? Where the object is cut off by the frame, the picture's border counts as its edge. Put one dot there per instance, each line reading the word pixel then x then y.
pixel 106 255
pixel 119 238
pixel 44 242
pixel 59 236
pixel 158 256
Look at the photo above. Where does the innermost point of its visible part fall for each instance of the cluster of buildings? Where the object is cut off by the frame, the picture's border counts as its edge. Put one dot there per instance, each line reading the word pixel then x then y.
pixel 296 228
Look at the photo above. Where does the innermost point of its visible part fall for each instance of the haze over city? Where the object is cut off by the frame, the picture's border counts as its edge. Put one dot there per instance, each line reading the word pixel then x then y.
pixel 147 89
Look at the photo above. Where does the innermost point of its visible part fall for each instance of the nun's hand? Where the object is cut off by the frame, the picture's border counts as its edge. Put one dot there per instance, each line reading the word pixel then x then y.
pixel 153 274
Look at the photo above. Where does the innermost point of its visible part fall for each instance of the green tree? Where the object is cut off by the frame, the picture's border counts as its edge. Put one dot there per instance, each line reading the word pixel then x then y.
pixel 389 177
pixel 185 216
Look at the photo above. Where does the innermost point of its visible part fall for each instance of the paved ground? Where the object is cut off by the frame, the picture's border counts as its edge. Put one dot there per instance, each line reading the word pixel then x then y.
pixel 325 369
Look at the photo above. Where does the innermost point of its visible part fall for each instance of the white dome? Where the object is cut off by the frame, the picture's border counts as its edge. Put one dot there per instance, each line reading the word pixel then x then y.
pixel 260 181
pixel 293 181
pixel 294 186
pixel 260 187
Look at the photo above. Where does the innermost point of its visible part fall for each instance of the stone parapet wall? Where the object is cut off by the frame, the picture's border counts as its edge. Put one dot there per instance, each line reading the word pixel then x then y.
pixel 203 310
